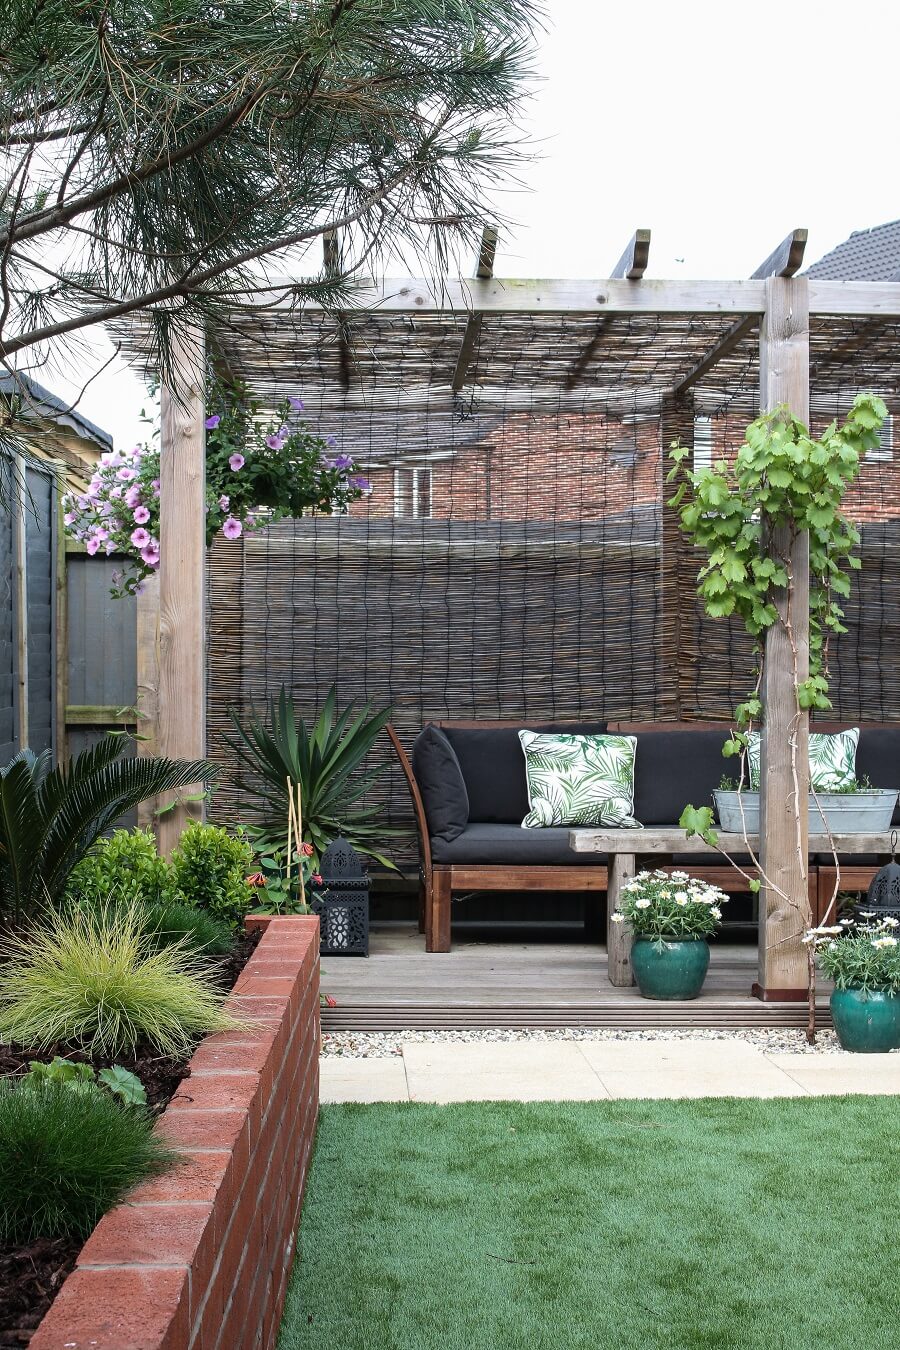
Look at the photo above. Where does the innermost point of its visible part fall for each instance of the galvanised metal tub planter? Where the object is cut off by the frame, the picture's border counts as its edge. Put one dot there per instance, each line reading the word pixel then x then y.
pixel 867 812
pixel 670 968
pixel 866 1022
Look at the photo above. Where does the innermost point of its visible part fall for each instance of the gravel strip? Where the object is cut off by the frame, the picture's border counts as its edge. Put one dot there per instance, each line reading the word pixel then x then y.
pixel 385 1044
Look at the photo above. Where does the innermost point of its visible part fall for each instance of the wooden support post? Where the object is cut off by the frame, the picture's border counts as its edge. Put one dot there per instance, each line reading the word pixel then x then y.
pixel 60 622
pixel 19 496
pixel 618 935
pixel 784 772
pixel 148 685
pixel 181 691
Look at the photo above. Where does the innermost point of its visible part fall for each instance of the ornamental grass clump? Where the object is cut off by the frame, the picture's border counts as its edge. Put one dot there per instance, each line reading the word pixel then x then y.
pixel 863 956
pixel 661 906
pixel 96 979
pixel 66 1157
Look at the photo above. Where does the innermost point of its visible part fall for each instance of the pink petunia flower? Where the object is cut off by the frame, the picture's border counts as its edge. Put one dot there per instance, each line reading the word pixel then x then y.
pixel 274 442
pixel 110 547
pixel 141 515
pixel 125 475
pixel 92 545
pixel 236 462
pixel 150 556
pixel 224 502
pixel 232 528
pixel 212 422
pixel 115 492
pixel 140 538
pixel 155 485
pixel 133 497
pixel 69 518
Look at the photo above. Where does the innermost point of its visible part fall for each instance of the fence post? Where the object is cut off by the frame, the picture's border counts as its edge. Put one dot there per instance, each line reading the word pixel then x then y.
pixel 181 688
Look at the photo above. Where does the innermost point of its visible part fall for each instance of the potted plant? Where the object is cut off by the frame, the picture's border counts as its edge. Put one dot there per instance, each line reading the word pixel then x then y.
pixel 857 808
pixel 671 917
pixel 863 960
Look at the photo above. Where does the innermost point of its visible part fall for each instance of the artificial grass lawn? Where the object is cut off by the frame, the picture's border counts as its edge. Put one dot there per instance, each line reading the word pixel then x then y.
pixel 719 1223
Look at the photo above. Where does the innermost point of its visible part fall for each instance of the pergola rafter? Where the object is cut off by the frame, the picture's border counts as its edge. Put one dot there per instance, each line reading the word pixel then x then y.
pixel 484 270
pixel 631 267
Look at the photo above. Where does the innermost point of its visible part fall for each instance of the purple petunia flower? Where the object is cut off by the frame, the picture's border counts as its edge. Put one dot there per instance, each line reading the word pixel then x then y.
pixel 69 518
pixel 342 462
pixel 133 497
pixel 331 440
pixel 212 422
pixel 140 538
pixel 150 555
pixel 115 492
pixel 232 528
pixel 362 483
pixel 110 547
pixel 224 502
pixel 296 403
pixel 284 432
pixel 141 515
pixel 155 485
pixel 125 475
pixel 274 442
pixel 236 462
pixel 92 545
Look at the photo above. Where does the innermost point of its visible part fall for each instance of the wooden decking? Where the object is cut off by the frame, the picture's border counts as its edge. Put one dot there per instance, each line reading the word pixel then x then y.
pixel 529 984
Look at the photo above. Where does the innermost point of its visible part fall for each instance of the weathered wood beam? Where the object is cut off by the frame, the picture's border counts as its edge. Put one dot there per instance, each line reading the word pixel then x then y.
pixel 587 354
pixel 181 707
pixel 784 769
pixel 332 260
pixel 484 270
pixel 784 261
pixel 633 263
pixel 514 295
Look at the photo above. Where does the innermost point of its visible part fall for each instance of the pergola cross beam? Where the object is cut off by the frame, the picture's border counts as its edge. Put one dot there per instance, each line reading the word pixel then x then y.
pixel 631 267
pixel 784 261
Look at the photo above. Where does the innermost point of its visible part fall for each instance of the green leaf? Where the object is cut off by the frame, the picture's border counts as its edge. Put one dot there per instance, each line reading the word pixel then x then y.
pixel 124 1084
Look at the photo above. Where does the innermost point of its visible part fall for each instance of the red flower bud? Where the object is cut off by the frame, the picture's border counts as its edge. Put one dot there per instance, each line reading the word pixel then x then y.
pixel 316 879
pixel 307 850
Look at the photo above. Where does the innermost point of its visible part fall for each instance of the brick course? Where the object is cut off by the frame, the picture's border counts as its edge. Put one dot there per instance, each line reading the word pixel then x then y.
pixel 198 1259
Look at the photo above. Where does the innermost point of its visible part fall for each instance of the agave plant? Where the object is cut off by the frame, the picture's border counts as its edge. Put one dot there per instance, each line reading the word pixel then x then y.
pixel 324 761
pixel 50 817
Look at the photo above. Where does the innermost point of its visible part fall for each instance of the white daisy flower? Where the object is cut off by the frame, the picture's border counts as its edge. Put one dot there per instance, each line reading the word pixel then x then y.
pixel 617 917
pixel 643 903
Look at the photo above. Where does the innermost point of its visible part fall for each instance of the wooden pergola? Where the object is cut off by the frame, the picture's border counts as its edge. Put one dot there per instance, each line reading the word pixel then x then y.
pixel 706 335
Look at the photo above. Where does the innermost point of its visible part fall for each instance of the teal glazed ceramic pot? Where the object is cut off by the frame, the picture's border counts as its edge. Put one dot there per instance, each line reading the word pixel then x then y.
pixel 674 968
pixel 866 1023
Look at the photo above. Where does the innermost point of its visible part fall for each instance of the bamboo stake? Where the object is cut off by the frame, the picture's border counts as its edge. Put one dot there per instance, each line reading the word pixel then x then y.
pixel 300 848
pixel 290 822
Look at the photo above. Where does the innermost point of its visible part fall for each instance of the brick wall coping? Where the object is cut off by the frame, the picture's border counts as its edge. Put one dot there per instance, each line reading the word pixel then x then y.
pixel 198 1259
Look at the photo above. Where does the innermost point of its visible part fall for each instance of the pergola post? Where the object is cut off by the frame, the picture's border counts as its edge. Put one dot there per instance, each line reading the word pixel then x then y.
pixel 784 772
pixel 181 689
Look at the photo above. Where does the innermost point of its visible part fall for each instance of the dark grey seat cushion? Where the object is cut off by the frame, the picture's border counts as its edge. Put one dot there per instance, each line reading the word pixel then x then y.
pixel 441 784
pixel 493 766
pixel 878 759
pixel 674 768
pixel 511 845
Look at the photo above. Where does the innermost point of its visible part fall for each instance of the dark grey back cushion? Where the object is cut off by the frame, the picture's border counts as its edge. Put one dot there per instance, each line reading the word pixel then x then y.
pixel 674 768
pixel 878 759
pixel 493 766
pixel 441 784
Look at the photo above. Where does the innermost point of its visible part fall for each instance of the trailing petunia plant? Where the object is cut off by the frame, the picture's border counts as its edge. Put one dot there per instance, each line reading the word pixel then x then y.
pixel 258 470
pixel 746 516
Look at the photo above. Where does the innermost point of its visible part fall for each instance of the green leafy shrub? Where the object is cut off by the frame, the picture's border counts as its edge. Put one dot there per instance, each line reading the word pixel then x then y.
pixel 67 1157
pixel 174 921
pixel 123 868
pixel 210 868
pixel 93 978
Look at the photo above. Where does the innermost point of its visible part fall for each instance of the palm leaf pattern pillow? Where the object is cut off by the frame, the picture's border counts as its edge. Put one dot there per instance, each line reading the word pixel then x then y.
pixel 579 780
pixel 832 759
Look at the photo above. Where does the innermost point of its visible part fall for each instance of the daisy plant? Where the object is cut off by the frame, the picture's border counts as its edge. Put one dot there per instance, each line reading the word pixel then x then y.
pixel 662 906
pixel 258 470
pixel 864 956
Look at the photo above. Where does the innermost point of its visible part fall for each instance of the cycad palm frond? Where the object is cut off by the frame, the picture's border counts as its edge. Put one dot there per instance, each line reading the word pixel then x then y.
pixel 50 817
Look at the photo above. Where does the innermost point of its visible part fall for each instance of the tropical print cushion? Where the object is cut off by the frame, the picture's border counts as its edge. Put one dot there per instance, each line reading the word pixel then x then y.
pixel 579 780
pixel 832 759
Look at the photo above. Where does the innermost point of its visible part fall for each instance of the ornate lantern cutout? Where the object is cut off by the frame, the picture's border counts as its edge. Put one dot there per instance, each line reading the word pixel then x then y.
pixel 884 891
pixel 342 902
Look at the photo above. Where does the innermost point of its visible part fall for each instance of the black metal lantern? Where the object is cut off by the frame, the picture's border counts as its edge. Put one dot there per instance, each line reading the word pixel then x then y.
pixel 342 902
pixel 884 892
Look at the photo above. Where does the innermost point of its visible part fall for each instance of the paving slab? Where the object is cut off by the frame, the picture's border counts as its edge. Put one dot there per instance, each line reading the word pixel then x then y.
pixel 825 1074
pixel 362 1080
pixel 500 1072
pixel 688 1069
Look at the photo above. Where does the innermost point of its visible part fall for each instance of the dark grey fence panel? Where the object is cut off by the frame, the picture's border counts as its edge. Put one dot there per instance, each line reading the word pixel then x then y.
pixel 7 622
pixel 40 590
pixel 102 643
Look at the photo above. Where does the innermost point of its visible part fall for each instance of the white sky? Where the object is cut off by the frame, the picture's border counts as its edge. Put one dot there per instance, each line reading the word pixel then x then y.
pixel 719 126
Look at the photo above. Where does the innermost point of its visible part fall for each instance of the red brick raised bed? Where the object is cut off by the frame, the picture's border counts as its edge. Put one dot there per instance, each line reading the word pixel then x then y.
pixel 199 1259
